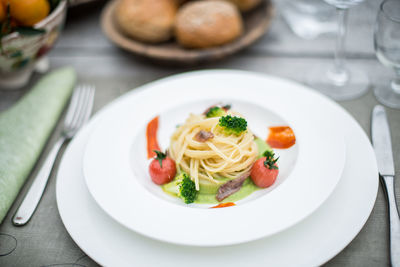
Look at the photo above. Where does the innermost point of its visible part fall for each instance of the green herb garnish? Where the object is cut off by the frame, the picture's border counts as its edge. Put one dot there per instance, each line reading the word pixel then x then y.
pixel 160 156
pixel 270 160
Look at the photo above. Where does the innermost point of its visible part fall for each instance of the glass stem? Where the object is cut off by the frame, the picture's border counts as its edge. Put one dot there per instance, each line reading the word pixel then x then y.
pixel 339 74
pixel 396 81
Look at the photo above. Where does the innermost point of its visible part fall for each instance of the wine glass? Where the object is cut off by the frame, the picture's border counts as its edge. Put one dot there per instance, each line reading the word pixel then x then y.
pixel 339 80
pixel 387 48
pixel 308 18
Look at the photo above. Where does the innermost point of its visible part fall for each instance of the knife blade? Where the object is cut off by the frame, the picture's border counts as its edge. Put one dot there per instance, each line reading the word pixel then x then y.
pixel 382 141
pixel 383 149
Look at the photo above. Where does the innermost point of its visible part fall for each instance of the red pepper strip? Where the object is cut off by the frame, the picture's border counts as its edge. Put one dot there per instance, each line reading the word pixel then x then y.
pixel 281 137
pixel 151 135
pixel 224 205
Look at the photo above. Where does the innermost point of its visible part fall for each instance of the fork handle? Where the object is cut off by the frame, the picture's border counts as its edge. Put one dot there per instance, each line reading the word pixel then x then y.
pixel 394 219
pixel 32 198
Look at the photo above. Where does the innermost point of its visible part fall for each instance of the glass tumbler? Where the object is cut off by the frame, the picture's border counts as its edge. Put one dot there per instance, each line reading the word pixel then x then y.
pixel 387 48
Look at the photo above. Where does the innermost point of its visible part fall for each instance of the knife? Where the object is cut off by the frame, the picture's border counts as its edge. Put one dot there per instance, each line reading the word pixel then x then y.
pixel 383 150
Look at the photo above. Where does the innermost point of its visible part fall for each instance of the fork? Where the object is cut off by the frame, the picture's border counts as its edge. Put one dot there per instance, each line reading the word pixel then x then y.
pixel 78 113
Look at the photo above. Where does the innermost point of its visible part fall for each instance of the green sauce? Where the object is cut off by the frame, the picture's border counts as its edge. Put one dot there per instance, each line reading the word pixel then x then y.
pixel 208 197
pixel 208 190
pixel 247 188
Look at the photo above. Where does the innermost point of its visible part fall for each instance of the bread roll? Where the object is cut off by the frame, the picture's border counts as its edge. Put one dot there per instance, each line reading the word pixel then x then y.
pixel 146 20
pixel 203 24
pixel 245 5
pixel 180 2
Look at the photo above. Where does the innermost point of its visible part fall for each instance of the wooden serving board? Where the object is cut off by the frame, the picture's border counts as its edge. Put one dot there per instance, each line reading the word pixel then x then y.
pixel 256 23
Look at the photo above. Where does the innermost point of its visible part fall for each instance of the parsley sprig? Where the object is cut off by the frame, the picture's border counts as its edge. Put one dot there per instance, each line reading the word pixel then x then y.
pixel 160 156
pixel 270 160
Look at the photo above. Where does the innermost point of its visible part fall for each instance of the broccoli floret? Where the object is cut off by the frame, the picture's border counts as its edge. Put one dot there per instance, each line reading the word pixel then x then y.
pixel 215 112
pixel 187 189
pixel 183 187
pixel 233 125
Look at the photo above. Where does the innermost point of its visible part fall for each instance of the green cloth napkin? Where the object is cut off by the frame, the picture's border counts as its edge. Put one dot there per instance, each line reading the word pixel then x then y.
pixel 25 128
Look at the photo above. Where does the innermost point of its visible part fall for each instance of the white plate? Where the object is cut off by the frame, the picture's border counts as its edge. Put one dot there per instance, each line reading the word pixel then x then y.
pixel 118 179
pixel 311 242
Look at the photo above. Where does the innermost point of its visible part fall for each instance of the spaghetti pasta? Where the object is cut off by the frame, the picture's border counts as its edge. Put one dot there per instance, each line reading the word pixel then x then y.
pixel 222 156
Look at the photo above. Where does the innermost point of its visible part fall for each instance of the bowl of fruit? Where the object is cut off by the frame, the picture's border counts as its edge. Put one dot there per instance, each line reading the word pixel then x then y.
pixel 28 30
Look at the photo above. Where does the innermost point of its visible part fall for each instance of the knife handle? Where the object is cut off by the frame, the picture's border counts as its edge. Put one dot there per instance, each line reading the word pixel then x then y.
pixel 394 219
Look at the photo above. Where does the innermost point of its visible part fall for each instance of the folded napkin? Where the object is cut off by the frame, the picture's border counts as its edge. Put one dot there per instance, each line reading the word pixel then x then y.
pixel 25 128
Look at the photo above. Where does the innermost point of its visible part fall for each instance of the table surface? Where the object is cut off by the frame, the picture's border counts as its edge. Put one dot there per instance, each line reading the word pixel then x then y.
pixel 45 241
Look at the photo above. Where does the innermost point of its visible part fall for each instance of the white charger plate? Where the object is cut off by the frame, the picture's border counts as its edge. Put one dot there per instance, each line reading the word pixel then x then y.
pixel 115 164
pixel 311 242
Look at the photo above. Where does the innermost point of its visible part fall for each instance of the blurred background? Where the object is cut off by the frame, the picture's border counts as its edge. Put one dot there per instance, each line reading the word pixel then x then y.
pixel 83 45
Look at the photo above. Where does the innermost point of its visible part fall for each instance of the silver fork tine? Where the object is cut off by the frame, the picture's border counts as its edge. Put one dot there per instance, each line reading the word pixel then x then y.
pixel 89 106
pixel 72 106
pixel 87 99
pixel 77 107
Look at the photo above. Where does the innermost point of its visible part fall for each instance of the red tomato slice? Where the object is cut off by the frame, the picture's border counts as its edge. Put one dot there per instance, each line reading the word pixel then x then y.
pixel 224 205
